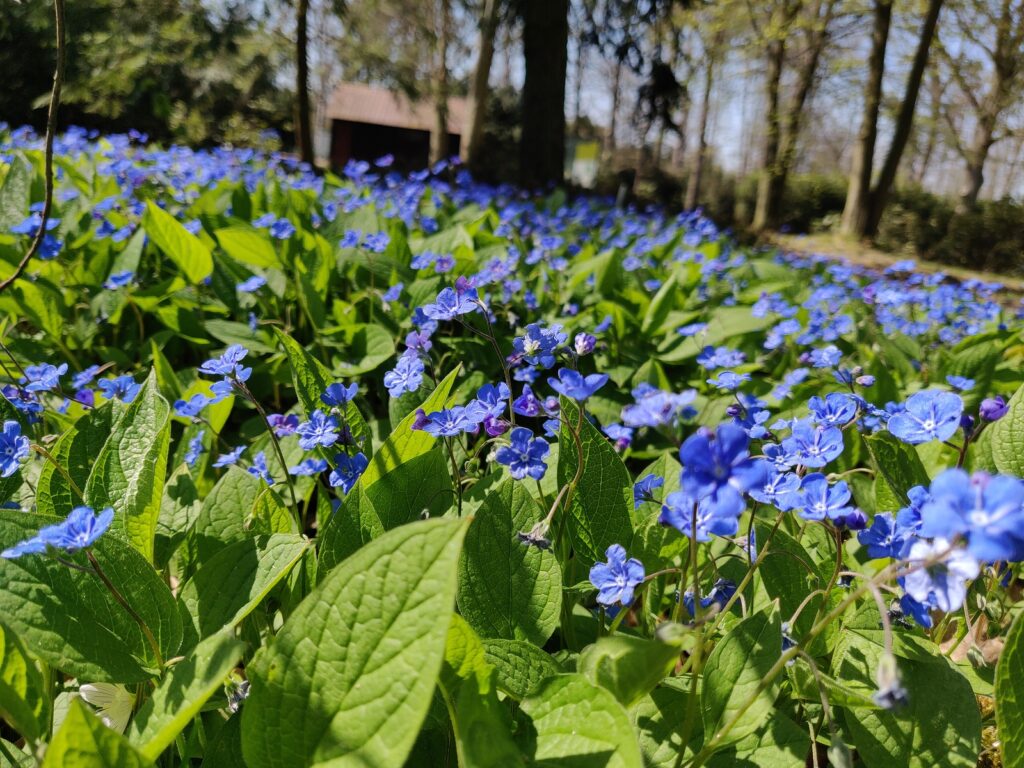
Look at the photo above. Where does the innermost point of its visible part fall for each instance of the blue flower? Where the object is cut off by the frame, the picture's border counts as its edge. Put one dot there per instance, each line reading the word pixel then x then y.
pixel 960 383
pixel 79 531
pixel 812 445
pixel 835 410
pixel 228 364
pixel 321 429
pixel 406 376
pixel 348 471
pixel 282 229
pixel 84 378
pixel 494 399
pixel 819 500
pixel 825 357
pixel 584 344
pixel 720 594
pixel 712 519
pixel 539 344
pixel 654 407
pixel 528 404
pixel 14 447
pixel 119 280
pixel 450 305
pixel 993 408
pixel 781 490
pixel 885 537
pixel 986 510
pixel 339 395
pixel 942 583
pixel 393 293
pixel 44 378
pixel 309 467
pixel 283 425
pixel 713 358
pixel 928 415
pixel 260 469
pixel 195 449
pixel 643 489
pixel 574 385
pixel 192 407
pixel 618 578
pixel 450 422
pixel 251 285
pixel 717 466
pixel 227 459
pixel 729 381
pixel 123 388
pixel 525 455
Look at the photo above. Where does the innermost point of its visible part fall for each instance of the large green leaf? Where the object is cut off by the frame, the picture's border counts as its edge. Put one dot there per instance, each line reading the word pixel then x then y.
pixel 224 513
pixel 630 667
pixel 247 245
pixel 128 473
pixel 1007 438
pixel 181 246
pixel 781 743
pixel 75 451
pixel 349 677
pixel 507 589
pixel 482 726
pixel 67 618
pixel 1010 696
pixel 179 507
pixel 85 742
pixel 182 694
pixel 24 702
pixel 579 723
pixel 230 584
pixel 898 463
pixel 520 666
pixel 599 509
pixel 14 194
pixel 352 525
pixel 733 673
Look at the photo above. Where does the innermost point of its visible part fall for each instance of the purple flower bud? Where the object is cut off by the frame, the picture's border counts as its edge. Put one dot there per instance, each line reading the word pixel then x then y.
pixel 421 419
pixel 866 380
pixel 967 422
pixel 993 408
pixel 584 343
pixel 495 426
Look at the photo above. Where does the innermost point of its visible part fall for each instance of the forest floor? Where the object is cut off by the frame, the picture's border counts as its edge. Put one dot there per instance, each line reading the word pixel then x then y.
pixel 834 245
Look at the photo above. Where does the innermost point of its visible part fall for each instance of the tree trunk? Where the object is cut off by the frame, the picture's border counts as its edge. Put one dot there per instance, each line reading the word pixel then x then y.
pixel 697 171
pixel 763 209
pixel 858 193
pixel 904 122
pixel 792 120
pixel 545 49
pixel 933 131
pixel 974 175
pixel 609 144
pixel 479 90
pixel 303 127
pixel 439 135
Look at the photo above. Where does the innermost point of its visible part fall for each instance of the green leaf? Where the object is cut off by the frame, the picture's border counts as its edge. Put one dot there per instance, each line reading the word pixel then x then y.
pixel 600 508
pixel 68 619
pixel 630 667
pixel 231 583
pixel 482 726
pixel 182 694
pixel 939 728
pixel 781 743
pixel 898 463
pixel 181 246
pixel 270 514
pixel 660 306
pixel 1007 438
pixel 733 673
pixel 352 525
pixel 349 677
pixel 14 194
pixel 75 451
pixel 311 380
pixel 976 358
pixel 85 742
pixel 520 667
pixel 23 701
pixel 224 513
pixel 507 589
pixel 579 723
pixel 128 473
pixel 247 245
pixel 1010 696
pixel 658 721
pixel 179 507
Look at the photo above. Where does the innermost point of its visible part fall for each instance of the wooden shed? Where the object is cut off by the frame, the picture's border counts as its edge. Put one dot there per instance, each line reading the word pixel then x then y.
pixel 369 122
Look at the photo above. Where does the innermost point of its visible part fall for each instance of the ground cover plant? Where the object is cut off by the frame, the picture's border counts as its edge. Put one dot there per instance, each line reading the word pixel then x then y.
pixel 372 470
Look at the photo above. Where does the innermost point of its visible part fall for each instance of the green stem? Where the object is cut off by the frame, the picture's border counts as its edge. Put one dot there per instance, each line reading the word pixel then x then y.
pixel 49 457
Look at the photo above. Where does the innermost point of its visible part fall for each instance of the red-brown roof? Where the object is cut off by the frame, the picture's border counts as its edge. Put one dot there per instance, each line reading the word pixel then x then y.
pixel 357 103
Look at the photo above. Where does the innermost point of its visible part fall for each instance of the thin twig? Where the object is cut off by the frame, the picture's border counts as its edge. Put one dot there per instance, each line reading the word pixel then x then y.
pixel 51 131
